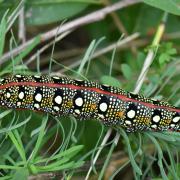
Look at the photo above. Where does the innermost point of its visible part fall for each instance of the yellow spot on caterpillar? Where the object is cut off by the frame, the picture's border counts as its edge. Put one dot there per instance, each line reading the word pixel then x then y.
pixel 143 120
pixel 119 114
pixel 46 102
pixel 68 104
pixel 92 106
pixel 28 100
pixel 165 122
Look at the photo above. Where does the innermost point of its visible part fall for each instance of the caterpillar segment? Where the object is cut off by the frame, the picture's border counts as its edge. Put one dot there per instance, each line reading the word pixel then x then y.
pixel 86 100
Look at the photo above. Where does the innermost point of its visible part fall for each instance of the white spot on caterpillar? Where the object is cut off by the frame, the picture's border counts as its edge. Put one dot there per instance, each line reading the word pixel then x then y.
pixel 37 76
pixel 176 119
pixel 21 95
pixel 8 95
pixel 128 122
pixel 18 75
pixel 156 118
pixel 103 106
pixel 101 116
pixel 18 103
pixel 38 97
pixel 106 85
pixel 58 99
pixel 80 80
pixel 77 111
pixel 154 126
pixel 56 108
pixel 56 77
pixel 79 101
pixel 36 106
pixel 172 125
pixel 131 114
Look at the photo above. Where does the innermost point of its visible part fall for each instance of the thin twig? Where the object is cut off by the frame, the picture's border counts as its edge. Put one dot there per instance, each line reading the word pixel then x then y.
pixel 22 31
pixel 106 137
pixel 46 46
pixel 105 50
pixel 71 54
pixel 150 56
pixel 121 27
pixel 11 19
pixel 72 25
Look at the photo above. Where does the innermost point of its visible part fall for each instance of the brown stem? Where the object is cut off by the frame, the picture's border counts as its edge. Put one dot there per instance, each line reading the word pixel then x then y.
pixel 87 19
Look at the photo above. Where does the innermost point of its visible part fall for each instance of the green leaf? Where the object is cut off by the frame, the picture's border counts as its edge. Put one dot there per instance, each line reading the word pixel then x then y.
pixel 9 167
pixel 5 113
pixel 166 137
pixel 21 173
pixel 15 138
pixel 69 165
pixel 24 53
pixel 12 127
pixel 127 71
pixel 110 81
pixel 163 58
pixel 2 33
pixel 170 6
pixel 160 156
pixel 86 57
pixel 69 153
pixel 131 156
pixel 40 138
pixel 54 164
pixel 46 11
pixel 166 52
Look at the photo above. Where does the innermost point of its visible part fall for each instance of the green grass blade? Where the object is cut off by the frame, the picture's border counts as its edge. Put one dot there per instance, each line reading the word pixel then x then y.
pixel 12 127
pixel 86 57
pixel 3 27
pixel 69 153
pixel 18 144
pixel 54 164
pixel 114 144
pixel 21 173
pixel 24 53
pixel 160 156
pixel 9 167
pixel 131 156
pixel 5 113
pixel 70 165
pixel 40 139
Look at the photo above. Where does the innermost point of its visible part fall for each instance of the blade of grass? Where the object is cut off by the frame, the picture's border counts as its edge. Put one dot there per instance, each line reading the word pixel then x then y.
pixel 39 140
pixel 86 57
pixel 15 126
pixel 160 156
pixel 69 153
pixel 173 164
pixel 5 113
pixel 54 164
pixel 3 27
pixel 19 58
pixel 131 156
pixel 163 136
pixel 17 144
pixel 91 54
pixel 14 14
pixel 9 167
pixel 108 157
pixel 67 166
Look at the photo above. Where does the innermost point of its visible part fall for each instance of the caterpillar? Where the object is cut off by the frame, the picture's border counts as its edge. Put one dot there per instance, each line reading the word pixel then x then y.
pixel 86 100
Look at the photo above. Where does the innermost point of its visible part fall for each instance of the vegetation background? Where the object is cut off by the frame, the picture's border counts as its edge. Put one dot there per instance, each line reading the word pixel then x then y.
pixel 130 44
